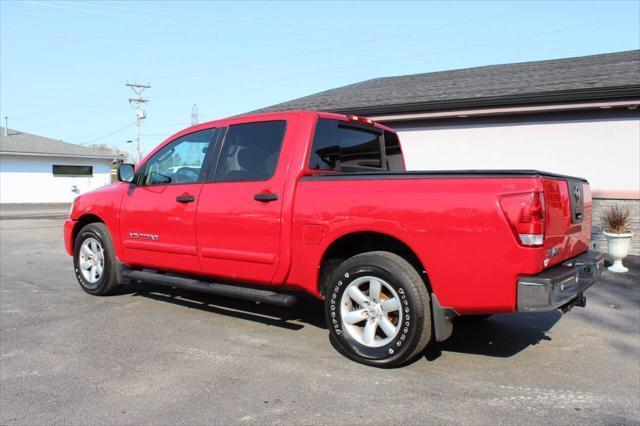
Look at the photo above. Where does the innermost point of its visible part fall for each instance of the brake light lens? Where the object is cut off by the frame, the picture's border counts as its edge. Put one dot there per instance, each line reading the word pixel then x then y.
pixel 525 214
pixel 362 120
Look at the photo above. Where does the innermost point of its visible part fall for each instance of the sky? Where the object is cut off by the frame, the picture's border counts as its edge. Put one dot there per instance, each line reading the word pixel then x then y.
pixel 64 65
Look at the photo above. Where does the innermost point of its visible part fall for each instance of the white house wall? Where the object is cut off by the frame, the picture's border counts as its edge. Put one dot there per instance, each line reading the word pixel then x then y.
pixel 29 179
pixel 605 151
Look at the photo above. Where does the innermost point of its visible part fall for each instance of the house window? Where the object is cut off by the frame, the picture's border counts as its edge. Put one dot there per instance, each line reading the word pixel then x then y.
pixel 63 170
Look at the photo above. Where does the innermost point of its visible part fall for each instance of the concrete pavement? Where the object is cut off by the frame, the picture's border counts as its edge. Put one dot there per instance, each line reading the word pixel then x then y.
pixel 152 355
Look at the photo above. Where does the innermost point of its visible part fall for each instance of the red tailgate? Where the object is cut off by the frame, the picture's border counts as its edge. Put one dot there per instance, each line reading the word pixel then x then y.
pixel 568 218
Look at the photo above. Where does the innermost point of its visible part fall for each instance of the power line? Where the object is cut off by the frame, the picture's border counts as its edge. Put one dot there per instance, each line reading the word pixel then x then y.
pixel 325 49
pixel 109 134
pixel 76 9
pixel 105 40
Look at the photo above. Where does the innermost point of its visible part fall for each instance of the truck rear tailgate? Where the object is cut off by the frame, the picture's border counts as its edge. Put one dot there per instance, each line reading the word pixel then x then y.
pixel 568 208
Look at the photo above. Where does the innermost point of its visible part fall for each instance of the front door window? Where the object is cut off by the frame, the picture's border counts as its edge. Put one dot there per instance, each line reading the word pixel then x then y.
pixel 180 161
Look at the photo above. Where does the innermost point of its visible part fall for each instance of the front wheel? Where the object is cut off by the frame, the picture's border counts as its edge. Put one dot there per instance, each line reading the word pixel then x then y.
pixel 378 309
pixel 94 260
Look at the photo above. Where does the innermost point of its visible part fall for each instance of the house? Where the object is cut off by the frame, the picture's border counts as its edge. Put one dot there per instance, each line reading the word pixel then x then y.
pixel 36 169
pixel 575 116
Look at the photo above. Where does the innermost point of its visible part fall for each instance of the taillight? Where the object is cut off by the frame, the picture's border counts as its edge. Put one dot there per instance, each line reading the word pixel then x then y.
pixel 361 120
pixel 525 213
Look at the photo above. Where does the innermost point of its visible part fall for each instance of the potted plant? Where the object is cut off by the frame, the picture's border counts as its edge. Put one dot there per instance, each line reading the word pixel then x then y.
pixel 618 237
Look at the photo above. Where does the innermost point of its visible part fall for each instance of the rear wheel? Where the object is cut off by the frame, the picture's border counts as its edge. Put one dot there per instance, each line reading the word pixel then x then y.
pixel 378 309
pixel 94 260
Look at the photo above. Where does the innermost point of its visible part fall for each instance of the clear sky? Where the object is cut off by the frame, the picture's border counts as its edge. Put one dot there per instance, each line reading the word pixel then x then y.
pixel 64 65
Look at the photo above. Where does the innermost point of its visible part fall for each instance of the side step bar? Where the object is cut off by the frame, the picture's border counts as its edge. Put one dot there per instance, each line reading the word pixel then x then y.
pixel 244 293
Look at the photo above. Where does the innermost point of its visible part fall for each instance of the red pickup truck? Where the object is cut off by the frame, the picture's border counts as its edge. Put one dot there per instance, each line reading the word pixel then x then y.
pixel 265 207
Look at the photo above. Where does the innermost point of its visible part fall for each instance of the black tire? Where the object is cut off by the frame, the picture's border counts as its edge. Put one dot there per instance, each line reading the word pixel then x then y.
pixel 108 280
pixel 415 331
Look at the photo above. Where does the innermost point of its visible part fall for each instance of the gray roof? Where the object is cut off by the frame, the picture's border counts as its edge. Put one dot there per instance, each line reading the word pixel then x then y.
pixel 17 142
pixel 605 76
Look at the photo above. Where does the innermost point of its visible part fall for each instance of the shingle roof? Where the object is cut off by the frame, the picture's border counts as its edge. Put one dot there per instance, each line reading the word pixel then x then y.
pixel 25 143
pixel 605 76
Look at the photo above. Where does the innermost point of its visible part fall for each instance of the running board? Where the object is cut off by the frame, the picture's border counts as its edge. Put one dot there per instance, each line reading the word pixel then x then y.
pixel 244 293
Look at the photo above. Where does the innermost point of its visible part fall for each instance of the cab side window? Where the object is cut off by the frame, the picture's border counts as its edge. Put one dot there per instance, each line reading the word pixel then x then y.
pixel 342 147
pixel 180 161
pixel 250 151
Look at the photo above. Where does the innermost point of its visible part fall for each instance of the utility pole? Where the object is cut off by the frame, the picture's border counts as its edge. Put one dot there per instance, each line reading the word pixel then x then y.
pixel 140 114
pixel 194 114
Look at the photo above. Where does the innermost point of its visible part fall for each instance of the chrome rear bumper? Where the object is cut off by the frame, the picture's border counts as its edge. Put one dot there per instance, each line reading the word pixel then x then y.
pixel 560 285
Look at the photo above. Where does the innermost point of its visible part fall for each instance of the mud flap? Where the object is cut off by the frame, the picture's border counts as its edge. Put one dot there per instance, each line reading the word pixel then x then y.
pixel 442 324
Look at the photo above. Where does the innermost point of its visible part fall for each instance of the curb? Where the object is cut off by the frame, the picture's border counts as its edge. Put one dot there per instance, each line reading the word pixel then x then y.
pixel 35 216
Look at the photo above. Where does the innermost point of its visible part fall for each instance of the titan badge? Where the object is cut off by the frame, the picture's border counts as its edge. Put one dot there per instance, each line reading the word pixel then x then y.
pixel 549 254
pixel 141 236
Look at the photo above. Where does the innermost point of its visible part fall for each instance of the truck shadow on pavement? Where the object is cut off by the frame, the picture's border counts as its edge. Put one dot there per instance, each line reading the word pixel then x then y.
pixel 499 336
pixel 307 311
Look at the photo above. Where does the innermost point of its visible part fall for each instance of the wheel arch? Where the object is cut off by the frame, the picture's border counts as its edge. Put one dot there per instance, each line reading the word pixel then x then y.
pixel 83 221
pixel 351 244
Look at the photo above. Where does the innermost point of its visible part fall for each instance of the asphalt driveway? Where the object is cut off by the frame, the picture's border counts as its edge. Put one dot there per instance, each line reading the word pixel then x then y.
pixel 152 355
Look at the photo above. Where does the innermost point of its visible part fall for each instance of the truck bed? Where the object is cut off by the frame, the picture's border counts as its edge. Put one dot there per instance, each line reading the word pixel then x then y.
pixel 452 219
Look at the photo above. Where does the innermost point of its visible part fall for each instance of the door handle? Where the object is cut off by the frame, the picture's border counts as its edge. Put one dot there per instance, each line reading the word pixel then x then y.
pixel 185 198
pixel 265 198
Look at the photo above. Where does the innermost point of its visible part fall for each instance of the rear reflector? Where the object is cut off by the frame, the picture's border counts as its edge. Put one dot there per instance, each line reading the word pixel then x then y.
pixel 525 214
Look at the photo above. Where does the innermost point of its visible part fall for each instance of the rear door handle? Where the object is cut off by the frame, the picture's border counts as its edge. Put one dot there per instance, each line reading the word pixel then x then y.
pixel 185 198
pixel 265 198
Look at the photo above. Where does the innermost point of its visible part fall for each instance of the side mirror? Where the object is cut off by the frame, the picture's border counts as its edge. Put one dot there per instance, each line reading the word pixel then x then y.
pixel 126 173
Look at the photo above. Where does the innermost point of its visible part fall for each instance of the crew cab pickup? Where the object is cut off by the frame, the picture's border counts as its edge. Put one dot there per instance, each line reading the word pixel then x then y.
pixel 266 207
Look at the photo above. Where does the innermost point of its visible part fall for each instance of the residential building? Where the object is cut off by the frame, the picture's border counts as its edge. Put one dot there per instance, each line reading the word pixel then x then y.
pixel 36 169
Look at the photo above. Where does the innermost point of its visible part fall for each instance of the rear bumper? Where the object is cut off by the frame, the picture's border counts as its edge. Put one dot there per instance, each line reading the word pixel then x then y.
pixel 559 285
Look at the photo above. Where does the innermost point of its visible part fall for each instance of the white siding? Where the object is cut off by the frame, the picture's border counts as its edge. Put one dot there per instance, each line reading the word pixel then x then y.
pixel 605 151
pixel 29 179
